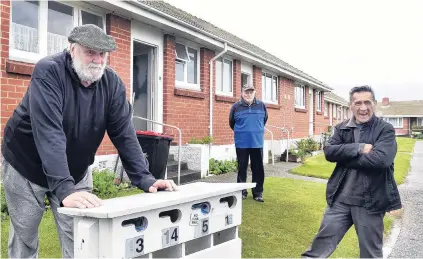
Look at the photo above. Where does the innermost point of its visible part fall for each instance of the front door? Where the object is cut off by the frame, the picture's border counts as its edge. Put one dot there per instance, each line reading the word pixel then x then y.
pixel 143 85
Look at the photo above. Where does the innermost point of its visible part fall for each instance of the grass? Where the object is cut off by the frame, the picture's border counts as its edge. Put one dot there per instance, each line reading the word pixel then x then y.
pixel 283 226
pixel 319 167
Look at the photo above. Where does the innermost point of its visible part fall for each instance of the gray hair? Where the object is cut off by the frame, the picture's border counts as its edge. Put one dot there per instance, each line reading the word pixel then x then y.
pixel 363 88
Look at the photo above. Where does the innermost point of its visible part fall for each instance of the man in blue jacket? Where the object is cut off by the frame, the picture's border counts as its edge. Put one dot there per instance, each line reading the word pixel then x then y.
pixel 362 187
pixel 54 133
pixel 247 119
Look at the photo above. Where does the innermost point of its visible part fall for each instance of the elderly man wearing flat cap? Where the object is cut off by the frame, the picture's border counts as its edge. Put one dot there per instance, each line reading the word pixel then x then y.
pixel 247 119
pixel 53 135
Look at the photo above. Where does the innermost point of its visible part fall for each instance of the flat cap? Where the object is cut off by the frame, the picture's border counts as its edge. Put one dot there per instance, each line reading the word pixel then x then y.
pixel 92 37
pixel 248 87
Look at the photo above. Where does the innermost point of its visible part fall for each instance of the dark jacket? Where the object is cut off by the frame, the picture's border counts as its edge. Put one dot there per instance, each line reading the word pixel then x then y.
pixel 54 133
pixel 247 122
pixel 380 189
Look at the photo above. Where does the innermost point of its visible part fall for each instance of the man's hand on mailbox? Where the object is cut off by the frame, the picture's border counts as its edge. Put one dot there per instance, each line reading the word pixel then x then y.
pixel 167 185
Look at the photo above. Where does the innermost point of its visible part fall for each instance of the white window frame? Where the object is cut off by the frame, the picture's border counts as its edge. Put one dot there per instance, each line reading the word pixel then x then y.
pixel 274 99
pixel 249 78
pixel 184 84
pixel 326 112
pixel 29 57
pixel 319 101
pixel 220 91
pixel 300 103
pixel 399 122
pixel 419 122
pixel 335 111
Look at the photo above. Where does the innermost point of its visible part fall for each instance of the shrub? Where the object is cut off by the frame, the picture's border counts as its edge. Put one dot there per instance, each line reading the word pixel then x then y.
pixel 221 167
pixel 205 140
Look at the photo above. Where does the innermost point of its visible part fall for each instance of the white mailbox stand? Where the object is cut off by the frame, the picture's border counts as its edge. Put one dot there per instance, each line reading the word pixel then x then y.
pixel 200 220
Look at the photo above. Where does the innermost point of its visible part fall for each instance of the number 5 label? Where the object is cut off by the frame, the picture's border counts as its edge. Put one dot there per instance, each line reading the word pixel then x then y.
pixel 170 236
pixel 202 228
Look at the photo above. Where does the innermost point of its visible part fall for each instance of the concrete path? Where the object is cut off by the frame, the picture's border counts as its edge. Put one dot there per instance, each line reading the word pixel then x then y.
pixel 279 169
pixel 409 243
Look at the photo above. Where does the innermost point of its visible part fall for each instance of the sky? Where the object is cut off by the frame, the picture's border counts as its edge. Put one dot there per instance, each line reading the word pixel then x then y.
pixel 341 43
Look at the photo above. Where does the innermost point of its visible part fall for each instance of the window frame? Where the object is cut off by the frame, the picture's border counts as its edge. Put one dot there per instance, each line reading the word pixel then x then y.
pixel 399 119
pixel 184 84
pixel 318 101
pixel 263 88
pixel 326 111
pixel 219 91
pixel 421 122
pixel 300 86
pixel 29 57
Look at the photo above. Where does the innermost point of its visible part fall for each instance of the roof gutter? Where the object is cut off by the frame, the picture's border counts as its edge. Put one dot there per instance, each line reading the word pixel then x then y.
pixel 144 6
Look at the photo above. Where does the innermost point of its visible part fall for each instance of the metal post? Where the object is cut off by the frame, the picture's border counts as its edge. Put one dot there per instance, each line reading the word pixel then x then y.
pixel 180 143
pixel 271 145
pixel 287 142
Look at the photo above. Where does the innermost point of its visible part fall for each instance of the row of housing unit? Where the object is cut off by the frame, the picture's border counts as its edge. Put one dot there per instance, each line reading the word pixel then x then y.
pixel 178 69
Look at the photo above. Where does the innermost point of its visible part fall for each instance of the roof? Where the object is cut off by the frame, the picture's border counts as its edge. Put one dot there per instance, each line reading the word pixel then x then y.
pixel 205 26
pixel 332 97
pixel 398 108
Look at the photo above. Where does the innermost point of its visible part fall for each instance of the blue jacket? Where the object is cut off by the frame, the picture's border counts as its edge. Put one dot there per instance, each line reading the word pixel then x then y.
pixel 247 122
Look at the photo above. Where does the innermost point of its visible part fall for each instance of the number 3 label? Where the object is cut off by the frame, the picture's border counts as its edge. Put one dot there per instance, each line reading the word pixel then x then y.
pixel 135 246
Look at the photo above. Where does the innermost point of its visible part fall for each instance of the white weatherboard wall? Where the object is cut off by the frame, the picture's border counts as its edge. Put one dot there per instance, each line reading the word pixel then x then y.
pixel 199 220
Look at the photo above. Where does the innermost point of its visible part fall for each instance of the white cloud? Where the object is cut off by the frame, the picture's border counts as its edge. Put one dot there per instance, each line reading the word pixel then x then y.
pixel 342 43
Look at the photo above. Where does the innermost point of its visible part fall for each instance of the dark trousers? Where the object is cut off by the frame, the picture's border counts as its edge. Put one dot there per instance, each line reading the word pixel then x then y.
pixel 256 156
pixel 336 222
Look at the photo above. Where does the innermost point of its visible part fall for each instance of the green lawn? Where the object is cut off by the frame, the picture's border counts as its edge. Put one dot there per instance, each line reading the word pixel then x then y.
pixel 319 167
pixel 283 226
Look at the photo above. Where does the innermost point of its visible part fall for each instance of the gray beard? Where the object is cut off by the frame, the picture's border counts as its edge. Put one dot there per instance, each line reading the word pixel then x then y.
pixel 84 71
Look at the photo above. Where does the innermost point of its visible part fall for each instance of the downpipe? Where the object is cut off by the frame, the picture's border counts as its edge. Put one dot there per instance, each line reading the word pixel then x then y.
pixel 225 49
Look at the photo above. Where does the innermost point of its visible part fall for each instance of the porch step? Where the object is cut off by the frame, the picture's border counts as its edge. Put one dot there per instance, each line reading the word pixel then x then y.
pixel 172 166
pixel 186 176
pixel 171 157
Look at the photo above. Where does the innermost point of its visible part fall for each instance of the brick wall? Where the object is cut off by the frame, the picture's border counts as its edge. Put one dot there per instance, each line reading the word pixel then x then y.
pixel 405 126
pixel 186 109
pixel 15 76
pixel 321 123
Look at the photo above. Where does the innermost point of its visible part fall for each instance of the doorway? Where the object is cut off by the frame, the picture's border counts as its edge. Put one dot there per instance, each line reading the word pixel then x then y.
pixel 143 82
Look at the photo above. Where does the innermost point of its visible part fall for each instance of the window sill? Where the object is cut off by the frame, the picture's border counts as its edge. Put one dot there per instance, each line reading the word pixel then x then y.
pixel 225 98
pixel 187 86
pixel 302 110
pixel 189 93
pixel 326 117
pixel 21 68
pixel 273 106
pixel 319 113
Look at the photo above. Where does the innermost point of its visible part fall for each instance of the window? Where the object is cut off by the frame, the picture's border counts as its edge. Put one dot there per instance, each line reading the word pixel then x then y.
pixel 396 122
pixel 334 111
pixel 269 84
pixel 326 108
pixel 187 66
pixel 319 101
pixel 40 28
pixel 299 96
pixel 346 113
pixel 419 122
pixel 224 73
pixel 245 79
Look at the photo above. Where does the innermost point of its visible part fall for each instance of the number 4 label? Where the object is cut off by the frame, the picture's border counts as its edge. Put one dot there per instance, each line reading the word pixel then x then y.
pixel 170 236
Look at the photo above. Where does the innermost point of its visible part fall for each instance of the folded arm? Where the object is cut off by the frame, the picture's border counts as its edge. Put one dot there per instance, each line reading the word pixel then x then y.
pixel 337 151
pixel 382 154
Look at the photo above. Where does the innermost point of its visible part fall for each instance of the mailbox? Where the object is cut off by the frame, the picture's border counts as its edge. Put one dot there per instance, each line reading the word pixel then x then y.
pixel 199 220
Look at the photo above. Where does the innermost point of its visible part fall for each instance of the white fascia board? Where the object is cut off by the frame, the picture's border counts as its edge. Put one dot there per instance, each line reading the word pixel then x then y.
pixel 401 116
pixel 142 12
pixel 329 100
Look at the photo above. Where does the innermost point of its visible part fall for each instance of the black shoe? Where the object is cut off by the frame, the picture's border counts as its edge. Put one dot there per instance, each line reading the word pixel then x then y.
pixel 244 195
pixel 258 198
